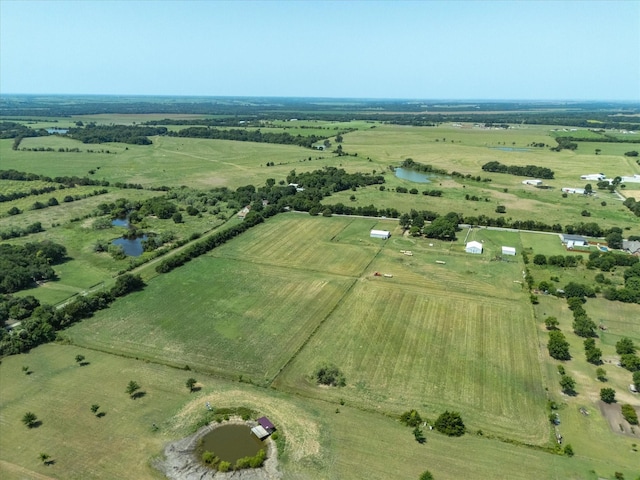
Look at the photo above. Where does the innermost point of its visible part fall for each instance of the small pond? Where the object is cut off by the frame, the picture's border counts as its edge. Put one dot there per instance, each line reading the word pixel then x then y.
pixel 412 175
pixel 120 222
pixel 511 149
pixel 132 247
pixel 231 442
pixel 61 131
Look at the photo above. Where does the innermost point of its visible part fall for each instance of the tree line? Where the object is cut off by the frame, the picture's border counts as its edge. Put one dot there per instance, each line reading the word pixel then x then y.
pixel 22 265
pixel 131 134
pixel 244 135
pixel 526 171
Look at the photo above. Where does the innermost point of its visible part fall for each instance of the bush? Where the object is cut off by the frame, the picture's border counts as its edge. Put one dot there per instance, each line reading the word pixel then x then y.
pixel 629 414
pixel 224 466
pixel 329 374
pixel 411 418
pixel 450 423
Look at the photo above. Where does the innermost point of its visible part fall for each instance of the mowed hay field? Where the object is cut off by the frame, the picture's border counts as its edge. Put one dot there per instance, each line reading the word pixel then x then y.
pixel 431 347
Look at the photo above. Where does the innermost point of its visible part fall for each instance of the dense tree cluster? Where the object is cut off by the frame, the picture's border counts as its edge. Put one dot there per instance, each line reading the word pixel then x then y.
pixel 411 418
pixel 22 265
pixel 630 292
pixel 133 135
pixel 526 171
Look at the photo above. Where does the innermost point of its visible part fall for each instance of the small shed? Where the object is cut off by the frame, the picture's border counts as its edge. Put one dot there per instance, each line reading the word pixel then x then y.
pixel 380 234
pixel 532 181
pixel 508 251
pixel 473 247
pixel 265 423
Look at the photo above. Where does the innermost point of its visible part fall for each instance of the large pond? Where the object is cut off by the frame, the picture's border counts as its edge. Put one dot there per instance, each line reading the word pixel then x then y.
pixel 132 247
pixel 231 442
pixel 412 175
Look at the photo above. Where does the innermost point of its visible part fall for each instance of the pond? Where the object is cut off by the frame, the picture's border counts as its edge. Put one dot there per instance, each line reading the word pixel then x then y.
pixel 120 222
pixel 61 131
pixel 231 442
pixel 132 247
pixel 511 149
pixel 412 175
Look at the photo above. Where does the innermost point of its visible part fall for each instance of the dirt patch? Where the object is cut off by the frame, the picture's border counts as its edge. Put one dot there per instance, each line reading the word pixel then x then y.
pixel 612 413
pixel 180 461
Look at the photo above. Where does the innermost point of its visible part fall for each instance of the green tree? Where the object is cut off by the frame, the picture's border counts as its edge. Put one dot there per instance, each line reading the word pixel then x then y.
pixel 568 450
pixel 594 356
pixel 588 189
pixel 601 374
pixel 551 323
pixel 224 466
pixel 607 395
pixel 625 345
pixel 79 358
pixel 614 240
pixel 418 435
pixel 30 419
pixel 450 423
pixel 426 475
pixel 44 458
pixel 540 259
pixel 94 408
pixel 177 217
pixel 568 384
pixel 558 346
pixel 636 379
pixel 191 382
pixel 132 388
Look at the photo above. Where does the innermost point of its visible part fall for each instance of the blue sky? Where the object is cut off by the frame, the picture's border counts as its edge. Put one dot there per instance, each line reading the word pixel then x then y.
pixel 529 50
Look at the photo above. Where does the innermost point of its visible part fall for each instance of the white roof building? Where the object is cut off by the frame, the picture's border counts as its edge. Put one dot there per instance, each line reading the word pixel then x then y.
pixel 380 234
pixel 508 251
pixel 473 247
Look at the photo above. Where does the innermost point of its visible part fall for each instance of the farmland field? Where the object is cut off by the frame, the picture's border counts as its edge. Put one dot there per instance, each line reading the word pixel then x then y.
pixel 433 329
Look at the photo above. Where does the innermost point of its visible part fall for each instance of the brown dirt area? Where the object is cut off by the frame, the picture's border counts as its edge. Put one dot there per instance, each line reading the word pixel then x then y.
pixel 611 412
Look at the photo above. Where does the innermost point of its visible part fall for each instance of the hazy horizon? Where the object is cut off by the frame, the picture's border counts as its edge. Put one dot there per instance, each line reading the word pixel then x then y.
pixel 482 51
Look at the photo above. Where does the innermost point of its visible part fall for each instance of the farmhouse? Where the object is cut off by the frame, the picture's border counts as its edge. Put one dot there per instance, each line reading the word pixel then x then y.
pixel 473 247
pixel 508 251
pixel 532 181
pixel 243 213
pixel 380 234
pixel 632 247
pixel 579 191
pixel 573 240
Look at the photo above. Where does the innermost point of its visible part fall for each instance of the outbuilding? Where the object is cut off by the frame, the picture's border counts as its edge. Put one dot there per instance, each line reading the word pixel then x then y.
pixel 532 181
pixel 380 234
pixel 573 240
pixel 473 247
pixel 508 251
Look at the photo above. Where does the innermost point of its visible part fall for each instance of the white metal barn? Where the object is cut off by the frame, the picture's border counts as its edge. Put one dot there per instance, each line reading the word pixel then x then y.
pixel 532 181
pixel 508 251
pixel 473 247
pixel 380 234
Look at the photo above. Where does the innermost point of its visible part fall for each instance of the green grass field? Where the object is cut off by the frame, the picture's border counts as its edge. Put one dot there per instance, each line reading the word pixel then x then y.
pixel 447 330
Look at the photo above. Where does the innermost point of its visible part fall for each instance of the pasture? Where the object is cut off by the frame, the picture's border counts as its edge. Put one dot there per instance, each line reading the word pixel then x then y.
pixel 269 306
pixel 60 393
